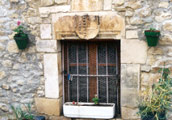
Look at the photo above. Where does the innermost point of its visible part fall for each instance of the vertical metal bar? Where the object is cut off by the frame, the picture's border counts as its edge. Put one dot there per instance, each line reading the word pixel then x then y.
pixel 116 60
pixel 62 44
pixel 68 71
pixel 77 73
pixel 97 67
pixel 117 73
pixel 107 90
pixel 87 70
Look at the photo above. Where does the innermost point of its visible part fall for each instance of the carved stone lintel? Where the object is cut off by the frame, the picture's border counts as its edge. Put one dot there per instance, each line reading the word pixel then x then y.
pixel 87 27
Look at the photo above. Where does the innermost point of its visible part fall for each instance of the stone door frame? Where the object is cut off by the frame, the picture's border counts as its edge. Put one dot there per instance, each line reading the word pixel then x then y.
pixel 131 59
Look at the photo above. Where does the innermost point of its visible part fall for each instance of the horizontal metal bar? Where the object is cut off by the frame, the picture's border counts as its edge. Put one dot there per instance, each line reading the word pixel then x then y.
pixel 80 75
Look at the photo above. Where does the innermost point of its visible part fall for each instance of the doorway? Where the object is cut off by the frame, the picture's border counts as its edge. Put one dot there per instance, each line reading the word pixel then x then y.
pixel 91 68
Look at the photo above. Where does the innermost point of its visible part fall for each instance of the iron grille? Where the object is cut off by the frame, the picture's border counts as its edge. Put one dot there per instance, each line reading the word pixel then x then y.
pixel 91 68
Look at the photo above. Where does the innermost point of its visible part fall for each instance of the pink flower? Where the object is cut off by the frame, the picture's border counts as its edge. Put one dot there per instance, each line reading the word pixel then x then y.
pixel 18 23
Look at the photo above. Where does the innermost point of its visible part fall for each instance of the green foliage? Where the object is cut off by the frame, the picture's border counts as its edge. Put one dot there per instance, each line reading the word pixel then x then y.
pixel 95 100
pixel 19 30
pixel 157 102
pixel 23 114
pixel 152 29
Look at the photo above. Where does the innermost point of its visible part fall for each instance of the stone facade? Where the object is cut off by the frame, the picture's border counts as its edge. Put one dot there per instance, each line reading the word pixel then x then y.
pixel 34 75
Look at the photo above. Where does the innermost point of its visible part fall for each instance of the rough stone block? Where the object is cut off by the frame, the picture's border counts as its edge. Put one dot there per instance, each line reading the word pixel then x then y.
pixel 131 34
pixel 2 47
pixel 133 51
pixel 44 11
pixel 46 45
pixel 2 74
pixel 164 4
pixel 59 118
pixel 45 30
pixel 49 106
pixel 12 47
pixel 166 39
pixel 87 5
pixel 118 2
pixel 51 76
pixel 130 76
pixel 14 1
pixel 60 1
pixel 136 21
pixel 162 16
pixel 167 26
pixel 129 113
pixel 107 4
pixel 134 4
pixel 129 98
pixel 145 68
pixel 47 2
pixel 148 79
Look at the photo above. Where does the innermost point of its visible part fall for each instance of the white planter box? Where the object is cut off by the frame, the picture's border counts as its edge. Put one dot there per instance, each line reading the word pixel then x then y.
pixel 86 110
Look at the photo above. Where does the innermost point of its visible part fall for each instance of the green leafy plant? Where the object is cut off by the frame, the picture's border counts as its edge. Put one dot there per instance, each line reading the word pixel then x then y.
pixel 154 105
pixel 95 100
pixel 21 37
pixel 152 29
pixel 20 29
pixel 21 114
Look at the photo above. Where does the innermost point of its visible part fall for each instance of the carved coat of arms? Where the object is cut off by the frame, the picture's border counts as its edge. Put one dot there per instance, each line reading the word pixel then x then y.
pixel 87 27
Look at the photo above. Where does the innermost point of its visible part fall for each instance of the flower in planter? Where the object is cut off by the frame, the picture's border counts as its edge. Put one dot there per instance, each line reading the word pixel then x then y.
pixel 20 29
pixel 18 23
pixel 20 37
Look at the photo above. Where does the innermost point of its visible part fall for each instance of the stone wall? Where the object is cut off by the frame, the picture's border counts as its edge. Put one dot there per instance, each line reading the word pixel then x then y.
pixel 21 72
pixel 24 75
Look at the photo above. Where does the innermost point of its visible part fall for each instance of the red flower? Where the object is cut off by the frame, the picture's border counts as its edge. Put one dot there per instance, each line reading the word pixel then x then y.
pixel 18 23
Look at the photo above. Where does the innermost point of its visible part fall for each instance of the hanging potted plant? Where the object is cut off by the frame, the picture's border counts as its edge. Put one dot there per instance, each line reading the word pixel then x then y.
pixel 152 37
pixel 20 37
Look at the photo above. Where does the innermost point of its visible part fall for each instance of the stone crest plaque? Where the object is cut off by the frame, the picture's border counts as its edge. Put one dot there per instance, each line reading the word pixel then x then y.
pixel 87 27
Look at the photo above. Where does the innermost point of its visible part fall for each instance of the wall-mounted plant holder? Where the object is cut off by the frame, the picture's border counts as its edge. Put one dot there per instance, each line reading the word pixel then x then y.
pixel 152 37
pixel 21 41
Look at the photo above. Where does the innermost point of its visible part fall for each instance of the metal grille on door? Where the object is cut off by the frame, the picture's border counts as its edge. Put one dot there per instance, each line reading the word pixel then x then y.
pixel 91 68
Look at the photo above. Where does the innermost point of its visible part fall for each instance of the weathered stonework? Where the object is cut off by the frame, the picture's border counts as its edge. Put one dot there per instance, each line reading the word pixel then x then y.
pixel 49 106
pixel 12 47
pixel 46 45
pixel 108 5
pixel 87 5
pixel 65 25
pixel 131 34
pixel 45 11
pixel 36 71
pixel 133 51
pixel 45 30
pixel 51 76
pixel 47 2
